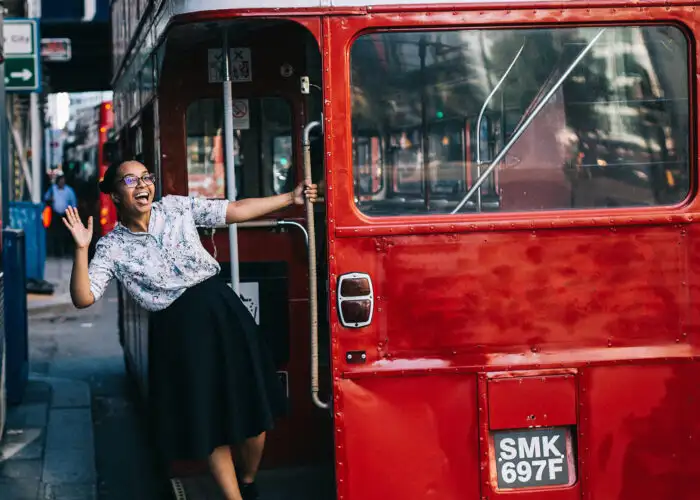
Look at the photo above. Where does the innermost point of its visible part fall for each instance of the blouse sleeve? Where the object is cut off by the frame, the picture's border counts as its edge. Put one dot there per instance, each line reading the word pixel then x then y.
pixel 209 213
pixel 100 271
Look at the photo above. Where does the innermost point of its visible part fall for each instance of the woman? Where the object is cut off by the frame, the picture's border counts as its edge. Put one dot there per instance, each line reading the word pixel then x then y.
pixel 215 381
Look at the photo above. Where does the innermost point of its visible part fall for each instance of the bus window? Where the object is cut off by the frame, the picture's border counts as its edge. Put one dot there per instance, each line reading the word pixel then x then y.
pixel 615 133
pixel 262 151
pixel 367 159
pixel 283 165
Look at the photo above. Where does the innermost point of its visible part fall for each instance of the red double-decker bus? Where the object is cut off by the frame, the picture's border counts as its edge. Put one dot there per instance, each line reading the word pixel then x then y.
pixel 85 163
pixel 497 296
pixel 105 125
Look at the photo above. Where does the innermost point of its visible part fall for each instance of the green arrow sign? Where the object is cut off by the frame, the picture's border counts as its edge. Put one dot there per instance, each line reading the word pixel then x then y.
pixel 19 74
pixel 21 41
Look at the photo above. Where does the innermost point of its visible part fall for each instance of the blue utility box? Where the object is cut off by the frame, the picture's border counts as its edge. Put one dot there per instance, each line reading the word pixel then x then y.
pixel 27 216
pixel 16 321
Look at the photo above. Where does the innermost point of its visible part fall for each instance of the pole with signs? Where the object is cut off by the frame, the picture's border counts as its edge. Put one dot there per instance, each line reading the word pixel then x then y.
pixel 23 74
pixel 22 69
pixel 37 129
pixel 4 136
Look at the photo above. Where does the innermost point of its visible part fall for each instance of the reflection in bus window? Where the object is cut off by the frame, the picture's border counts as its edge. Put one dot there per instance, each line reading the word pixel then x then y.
pixel 263 152
pixel 282 158
pixel 614 134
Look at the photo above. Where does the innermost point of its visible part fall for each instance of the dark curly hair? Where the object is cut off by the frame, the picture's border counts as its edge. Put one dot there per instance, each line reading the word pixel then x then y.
pixel 107 184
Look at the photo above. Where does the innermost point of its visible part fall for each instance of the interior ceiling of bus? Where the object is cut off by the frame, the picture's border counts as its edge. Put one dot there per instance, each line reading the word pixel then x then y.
pixel 212 32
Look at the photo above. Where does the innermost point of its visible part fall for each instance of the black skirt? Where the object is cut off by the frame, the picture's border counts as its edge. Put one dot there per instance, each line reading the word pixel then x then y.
pixel 212 378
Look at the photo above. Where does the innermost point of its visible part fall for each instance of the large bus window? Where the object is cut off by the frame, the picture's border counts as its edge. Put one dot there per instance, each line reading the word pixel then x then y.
pixel 262 149
pixel 616 133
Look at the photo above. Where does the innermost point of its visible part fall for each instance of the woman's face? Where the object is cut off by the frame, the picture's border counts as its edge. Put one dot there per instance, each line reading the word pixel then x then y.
pixel 135 188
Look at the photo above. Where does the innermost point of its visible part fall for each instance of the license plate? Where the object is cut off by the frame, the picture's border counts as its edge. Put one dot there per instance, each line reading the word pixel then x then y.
pixel 533 458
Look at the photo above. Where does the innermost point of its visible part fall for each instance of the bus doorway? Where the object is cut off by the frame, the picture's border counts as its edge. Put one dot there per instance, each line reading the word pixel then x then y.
pixel 276 91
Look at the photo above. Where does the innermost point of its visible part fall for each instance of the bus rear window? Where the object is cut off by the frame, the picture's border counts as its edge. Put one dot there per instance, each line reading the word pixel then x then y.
pixel 567 118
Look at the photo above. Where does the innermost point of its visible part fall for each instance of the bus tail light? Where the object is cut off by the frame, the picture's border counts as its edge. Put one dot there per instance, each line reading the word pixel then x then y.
pixel 355 300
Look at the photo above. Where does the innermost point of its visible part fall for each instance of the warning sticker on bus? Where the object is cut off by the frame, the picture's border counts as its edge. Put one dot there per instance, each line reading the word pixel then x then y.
pixel 532 458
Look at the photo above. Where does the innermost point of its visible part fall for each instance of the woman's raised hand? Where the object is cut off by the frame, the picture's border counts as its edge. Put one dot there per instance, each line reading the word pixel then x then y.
pixel 81 235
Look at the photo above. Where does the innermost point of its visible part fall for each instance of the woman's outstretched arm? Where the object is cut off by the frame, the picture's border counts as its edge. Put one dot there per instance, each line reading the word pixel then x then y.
pixel 252 208
pixel 80 292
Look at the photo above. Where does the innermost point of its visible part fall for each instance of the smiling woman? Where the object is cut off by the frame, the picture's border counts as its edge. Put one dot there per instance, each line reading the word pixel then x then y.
pixel 156 254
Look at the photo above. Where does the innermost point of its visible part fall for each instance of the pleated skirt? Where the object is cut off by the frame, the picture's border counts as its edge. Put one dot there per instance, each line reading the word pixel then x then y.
pixel 212 381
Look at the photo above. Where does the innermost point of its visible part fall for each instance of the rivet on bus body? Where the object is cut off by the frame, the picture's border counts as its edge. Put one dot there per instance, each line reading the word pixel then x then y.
pixel 609 343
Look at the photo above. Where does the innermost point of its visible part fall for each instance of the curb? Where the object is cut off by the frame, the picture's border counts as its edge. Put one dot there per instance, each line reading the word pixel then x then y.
pixel 58 303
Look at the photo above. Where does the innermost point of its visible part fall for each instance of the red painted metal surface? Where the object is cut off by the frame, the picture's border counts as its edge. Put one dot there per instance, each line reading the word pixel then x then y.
pixel 417 437
pixel 588 289
pixel 642 431
pixel 534 401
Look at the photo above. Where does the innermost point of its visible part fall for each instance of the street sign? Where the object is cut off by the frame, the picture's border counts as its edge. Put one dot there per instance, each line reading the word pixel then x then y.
pixel 56 49
pixel 21 45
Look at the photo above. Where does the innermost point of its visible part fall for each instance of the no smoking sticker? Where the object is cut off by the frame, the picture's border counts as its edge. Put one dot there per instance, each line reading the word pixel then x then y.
pixel 241 114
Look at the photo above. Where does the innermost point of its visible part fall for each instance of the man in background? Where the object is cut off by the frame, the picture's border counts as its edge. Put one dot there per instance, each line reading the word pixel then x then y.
pixel 59 197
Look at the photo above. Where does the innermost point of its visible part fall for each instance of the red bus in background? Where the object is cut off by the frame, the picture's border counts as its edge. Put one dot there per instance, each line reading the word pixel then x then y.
pixel 105 122
pixel 84 165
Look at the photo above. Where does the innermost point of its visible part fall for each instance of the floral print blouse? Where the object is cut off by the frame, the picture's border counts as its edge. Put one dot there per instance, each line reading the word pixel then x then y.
pixel 158 266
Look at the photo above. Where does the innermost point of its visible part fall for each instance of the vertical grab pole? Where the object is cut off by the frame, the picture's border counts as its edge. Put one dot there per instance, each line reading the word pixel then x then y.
pixel 230 165
pixel 313 292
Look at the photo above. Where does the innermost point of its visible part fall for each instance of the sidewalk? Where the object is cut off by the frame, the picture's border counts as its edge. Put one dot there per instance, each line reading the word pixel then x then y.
pixel 57 272
pixel 48 450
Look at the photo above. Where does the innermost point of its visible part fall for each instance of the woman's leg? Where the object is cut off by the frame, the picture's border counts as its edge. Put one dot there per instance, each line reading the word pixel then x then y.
pixel 251 452
pixel 221 465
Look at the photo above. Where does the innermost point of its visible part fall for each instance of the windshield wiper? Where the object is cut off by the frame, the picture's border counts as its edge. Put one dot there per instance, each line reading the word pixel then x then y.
pixel 526 123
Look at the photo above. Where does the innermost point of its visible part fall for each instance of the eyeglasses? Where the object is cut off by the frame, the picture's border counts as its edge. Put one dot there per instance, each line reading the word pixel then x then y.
pixel 133 181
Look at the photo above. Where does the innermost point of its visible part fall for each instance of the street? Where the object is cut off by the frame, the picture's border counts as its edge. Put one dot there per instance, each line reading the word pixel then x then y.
pixel 83 345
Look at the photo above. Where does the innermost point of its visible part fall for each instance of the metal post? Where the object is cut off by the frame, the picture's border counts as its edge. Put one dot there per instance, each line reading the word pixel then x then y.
pixel 313 284
pixel 230 162
pixel 34 10
pixel 481 116
pixel 4 139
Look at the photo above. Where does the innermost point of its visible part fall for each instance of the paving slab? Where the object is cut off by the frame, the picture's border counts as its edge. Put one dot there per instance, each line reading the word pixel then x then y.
pixel 27 415
pixel 69 394
pixel 70 452
pixel 18 489
pixel 67 492
pixel 37 391
pixel 18 469
pixel 22 444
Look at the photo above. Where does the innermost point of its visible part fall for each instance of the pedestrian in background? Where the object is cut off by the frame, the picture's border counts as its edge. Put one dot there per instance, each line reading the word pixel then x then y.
pixel 59 197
